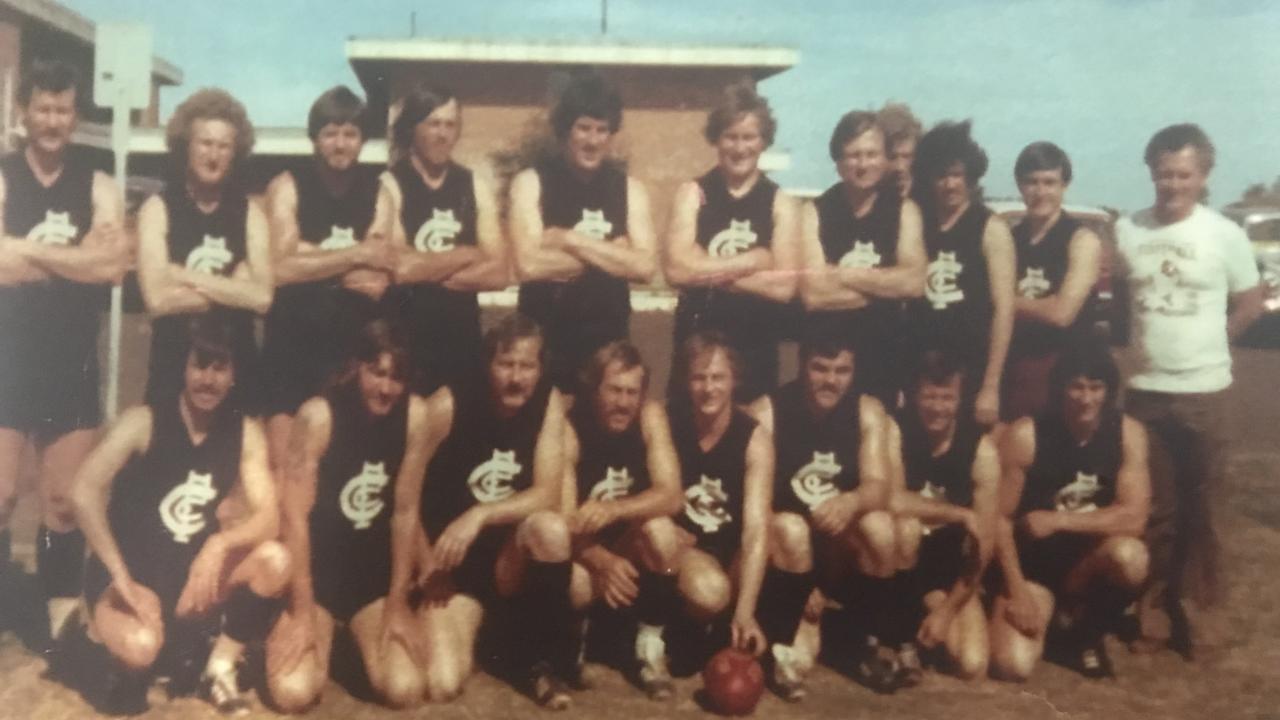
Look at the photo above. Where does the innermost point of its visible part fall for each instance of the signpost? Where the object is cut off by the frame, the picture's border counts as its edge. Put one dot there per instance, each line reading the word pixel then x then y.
pixel 122 82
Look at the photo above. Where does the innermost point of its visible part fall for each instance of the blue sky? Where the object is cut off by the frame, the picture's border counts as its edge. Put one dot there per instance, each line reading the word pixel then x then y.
pixel 1095 76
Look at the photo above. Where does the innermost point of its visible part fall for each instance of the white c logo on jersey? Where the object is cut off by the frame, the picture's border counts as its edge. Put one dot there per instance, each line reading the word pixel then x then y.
pixel 340 238
pixel 812 482
pixel 437 233
pixel 491 480
pixel 593 224
pixel 940 288
pixel 733 240
pixel 1033 284
pixel 861 255
pixel 180 508
pixel 361 499
pixel 1078 495
pixel 55 229
pixel 614 485
pixel 705 504
pixel 210 257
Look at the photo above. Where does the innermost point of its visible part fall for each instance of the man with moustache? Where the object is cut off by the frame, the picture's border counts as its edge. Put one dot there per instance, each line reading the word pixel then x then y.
pixel 163 564
pixel 862 255
pixel 830 497
pixel 1077 493
pixel 60 242
pixel 621 487
pixel 480 526
pixel 902 131
pixel 1192 286
pixel 350 448
pixel 732 246
pixel 444 222
pixel 331 255
pixel 1058 264
pixel 203 245
pixel 580 231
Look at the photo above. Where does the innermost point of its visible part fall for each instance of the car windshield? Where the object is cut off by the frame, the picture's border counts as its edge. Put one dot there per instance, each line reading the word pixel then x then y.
pixel 1265 230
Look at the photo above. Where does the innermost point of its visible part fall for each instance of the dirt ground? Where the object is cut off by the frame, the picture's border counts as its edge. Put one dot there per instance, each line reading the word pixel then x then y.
pixel 1239 679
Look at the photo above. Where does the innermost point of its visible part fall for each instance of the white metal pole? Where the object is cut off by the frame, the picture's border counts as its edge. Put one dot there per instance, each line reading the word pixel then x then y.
pixel 120 146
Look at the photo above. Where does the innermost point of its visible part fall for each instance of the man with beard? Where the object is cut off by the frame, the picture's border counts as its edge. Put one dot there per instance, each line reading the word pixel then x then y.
pixel 163 564
pixel 60 242
pixel 946 476
pixel 445 227
pixel 494 455
pixel 1077 491
pixel 580 231
pixel 331 255
pixel 830 495
pixel 349 449
pixel 622 484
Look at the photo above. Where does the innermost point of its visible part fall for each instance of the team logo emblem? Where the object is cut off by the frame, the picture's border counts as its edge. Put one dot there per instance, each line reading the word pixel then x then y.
pixel 1033 284
pixel 812 482
pixel 361 497
pixel 55 229
pixel 437 234
pixel 940 289
pixel 491 480
pixel 933 492
pixel 211 257
pixel 733 240
pixel 181 510
pixel 340 238
pixel 705 503
pixel 1167 292
pixel 593 224
pixel 1078 496
pixel 616 484
pixel 862 255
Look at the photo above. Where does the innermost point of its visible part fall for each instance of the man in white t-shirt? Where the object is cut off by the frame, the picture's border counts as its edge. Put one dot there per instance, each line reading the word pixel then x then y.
pixel 1192 286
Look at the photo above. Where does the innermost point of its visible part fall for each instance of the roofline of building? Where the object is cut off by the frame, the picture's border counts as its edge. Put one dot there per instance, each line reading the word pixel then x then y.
pixel 83 29
pixel 764 61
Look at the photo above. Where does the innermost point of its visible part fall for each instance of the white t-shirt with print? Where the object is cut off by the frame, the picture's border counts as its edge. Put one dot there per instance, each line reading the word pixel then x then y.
pixel 1180 277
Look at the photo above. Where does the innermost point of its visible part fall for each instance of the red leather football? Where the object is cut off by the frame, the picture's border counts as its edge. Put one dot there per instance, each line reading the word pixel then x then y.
pixel 733 681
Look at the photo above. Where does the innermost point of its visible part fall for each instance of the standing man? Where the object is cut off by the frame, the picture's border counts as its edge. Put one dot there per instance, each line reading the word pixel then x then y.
pixel 163 563
pixel 621 487
pixel 331 255
pixel 1058 264
pixel 60 242
pixel 1192 286
pixel 902 131
pixel 1075 496
pixel 830 489
pixel 203 244
pixel 946 476
pixel 580 231
pixel 732 247
pixel 349 451
pixel 445 226
pixel 967 308
pixel 863 254
pixel 493 541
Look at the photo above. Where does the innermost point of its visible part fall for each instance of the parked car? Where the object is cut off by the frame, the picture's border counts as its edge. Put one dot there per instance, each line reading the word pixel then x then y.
pixel 1262 225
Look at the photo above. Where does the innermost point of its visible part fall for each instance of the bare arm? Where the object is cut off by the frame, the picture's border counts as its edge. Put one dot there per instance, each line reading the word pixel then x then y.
pixel 906 503
pixel 1127 515
pixel 1084 258
pixel 778 283
pixel 308 441
pixel 664 496
pixel 430 421
pixel 91 486
pixel 492 271
pixel 686 264
pixel 997 246
pixel 535 248
pixel 293 259
pixel 1246 308
pixel 873 489
pixel 820 282
pixel 250 285
pixel 1017 452
pixel 103 256
pixel 631 257
pixel 548 471
pixel 263 522
pixel 986 488
pixel 903 280
pixel 757 501
pixel 165 285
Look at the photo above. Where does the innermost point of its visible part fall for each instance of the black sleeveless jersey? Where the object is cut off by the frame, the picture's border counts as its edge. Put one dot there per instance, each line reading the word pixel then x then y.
pixel 1041 269
pixel 729 226
pixel 1070 477
pixel 816 459
pixel 355 485
pixel 948 476
pixel 595 304
pixel 955 312
pixel 870 241
pixel 438 220
pixel 164 502
pixel 610 465
pixel 485 458
pixel 713 480
pixel 60 214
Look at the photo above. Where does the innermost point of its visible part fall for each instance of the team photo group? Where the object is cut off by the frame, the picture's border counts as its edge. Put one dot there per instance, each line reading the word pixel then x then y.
pixel 336 463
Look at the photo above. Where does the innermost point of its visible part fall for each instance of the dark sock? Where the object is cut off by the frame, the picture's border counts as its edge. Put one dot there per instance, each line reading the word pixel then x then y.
pixel 548 637
pixel 6 548
pixel 1101 611
pixel 249 616
pixel 782 599
pixel 658 600
pixel 60 562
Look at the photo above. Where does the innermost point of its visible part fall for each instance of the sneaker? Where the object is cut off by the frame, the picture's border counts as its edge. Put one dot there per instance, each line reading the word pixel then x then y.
pixel 877 669
pixel 651 656
pixel 223 692
pixel 787 678
pixel 548 690
pixel 910 668
pixel 1094 663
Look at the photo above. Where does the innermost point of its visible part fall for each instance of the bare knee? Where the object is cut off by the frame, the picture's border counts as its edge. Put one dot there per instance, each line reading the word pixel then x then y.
pixel 972 658
pixel 909 531
pixel 1016 660
pixel 707 593
pixel 661 543
pixel 295 692
pixel 271 572
pixel 545 536
pixel 1130 559
pixel 790 546
pixel 879 538
pixel 138 648
pixel 401 686
pixel 444 681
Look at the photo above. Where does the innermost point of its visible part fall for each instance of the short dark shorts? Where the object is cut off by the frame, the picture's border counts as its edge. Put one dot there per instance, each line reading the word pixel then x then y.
pixel 942 557
pixel 343 594
pixel 1048 561
pixel 48 387
pixel 166 582
pixel 477 575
